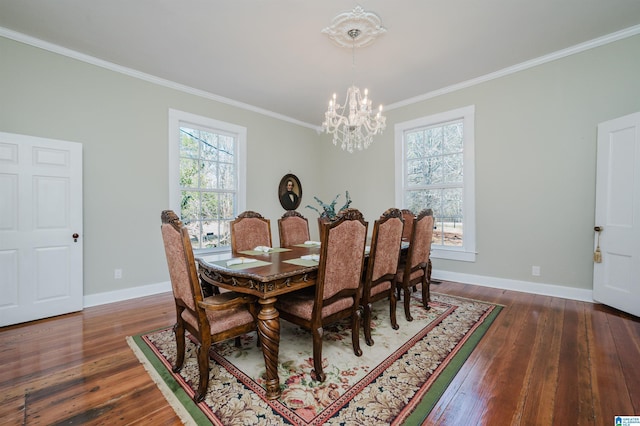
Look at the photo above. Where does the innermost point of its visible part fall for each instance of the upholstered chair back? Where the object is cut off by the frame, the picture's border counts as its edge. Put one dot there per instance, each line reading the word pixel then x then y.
pixel 409 218
pixel 181 266
pixel 249 231
pixel 382 267
pixel 293 229
pixel 342 263
pixel 421 240
pixel 417 268
pixel 385 244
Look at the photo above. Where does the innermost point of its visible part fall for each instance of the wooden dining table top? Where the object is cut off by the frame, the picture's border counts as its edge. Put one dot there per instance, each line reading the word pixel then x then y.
pixel 279 271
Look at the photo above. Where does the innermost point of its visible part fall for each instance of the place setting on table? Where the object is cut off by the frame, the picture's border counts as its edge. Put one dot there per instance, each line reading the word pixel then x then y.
pixel 263 256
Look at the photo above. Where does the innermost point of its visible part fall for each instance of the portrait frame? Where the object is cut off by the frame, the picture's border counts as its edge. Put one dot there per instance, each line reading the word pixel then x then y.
pixel 287 201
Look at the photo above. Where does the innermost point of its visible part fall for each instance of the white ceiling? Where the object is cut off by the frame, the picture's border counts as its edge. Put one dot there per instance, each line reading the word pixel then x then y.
pixel 272 55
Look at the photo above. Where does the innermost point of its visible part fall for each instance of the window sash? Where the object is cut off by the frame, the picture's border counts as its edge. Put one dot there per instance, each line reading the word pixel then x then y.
pixel 207 205
pixel 415 132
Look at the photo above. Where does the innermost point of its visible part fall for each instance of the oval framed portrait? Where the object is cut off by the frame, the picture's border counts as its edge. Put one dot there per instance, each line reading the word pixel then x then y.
pixel 290 192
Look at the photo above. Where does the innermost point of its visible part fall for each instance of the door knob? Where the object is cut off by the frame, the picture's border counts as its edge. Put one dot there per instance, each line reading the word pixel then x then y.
pixel 75 237
pixel 598 228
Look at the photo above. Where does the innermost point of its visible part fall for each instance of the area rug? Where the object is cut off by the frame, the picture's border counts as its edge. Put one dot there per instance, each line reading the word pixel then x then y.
pixel 396 381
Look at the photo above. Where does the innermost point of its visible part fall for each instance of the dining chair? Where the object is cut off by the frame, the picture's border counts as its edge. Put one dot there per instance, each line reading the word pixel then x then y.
pixel 382 266
pixel 409 217
pixel 336 295
pixel 208 319
pixel 417 267
pixel 250 230
pixel 293 228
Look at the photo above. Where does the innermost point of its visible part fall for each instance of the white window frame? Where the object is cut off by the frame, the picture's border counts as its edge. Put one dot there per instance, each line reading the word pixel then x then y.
pixel 178 118
pixel 467 252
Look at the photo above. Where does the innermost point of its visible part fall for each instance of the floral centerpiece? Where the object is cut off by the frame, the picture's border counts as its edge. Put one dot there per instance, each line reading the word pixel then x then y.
pixel 329 210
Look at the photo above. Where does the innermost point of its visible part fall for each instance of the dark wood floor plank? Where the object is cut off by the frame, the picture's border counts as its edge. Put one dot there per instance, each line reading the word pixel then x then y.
pixel 537 396
pixel 611 397
pixel 504 348
pixel 574 373
pixel 543 361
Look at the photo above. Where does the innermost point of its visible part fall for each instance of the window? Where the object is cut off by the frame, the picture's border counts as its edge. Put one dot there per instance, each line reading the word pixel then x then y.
pixel 207 177
pixel 435 169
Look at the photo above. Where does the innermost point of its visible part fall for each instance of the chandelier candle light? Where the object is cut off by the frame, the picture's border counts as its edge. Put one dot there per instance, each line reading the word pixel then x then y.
pixel 353 123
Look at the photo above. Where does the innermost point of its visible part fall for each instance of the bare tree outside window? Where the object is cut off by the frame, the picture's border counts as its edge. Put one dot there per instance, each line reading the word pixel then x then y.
pixel 434 164
pixel 207 185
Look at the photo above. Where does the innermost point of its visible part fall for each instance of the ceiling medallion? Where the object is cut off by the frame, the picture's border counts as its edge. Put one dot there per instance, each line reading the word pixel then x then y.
pixel 367 23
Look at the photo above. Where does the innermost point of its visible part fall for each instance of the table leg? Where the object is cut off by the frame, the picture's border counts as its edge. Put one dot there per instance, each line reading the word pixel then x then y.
pixel 269 329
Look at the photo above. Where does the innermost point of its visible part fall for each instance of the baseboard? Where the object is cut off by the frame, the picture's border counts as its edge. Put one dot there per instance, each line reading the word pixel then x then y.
pixel 554 290
pixel 502 283
pixel 126 294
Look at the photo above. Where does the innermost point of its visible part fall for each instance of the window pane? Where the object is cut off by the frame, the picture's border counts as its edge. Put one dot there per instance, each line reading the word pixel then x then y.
pixel 188 173
pixel 415 145
pixel 209 205
pixel 416 201
pixel 450 219
pixel 453 138
pixel 226 177
pixel 208 175
pixel 452 168
pixel 210 234
pixel 190 206
pixel 189 144
pixel 434 141
pixel 225 207
pixel 226 149
pixel 209 144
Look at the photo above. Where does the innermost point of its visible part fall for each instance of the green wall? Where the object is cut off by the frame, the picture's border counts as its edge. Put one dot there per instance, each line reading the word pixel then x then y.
pixel 535 159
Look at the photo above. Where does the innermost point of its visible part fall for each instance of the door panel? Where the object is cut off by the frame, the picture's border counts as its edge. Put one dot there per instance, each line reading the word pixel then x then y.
pixel 40 210
pixel 616 280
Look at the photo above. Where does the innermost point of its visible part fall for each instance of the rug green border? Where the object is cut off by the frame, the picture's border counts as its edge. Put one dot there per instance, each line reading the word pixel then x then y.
pixel 424 407
pixel 169 384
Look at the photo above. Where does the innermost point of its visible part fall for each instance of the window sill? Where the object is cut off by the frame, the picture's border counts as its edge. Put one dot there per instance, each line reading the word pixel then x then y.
pixel 452 254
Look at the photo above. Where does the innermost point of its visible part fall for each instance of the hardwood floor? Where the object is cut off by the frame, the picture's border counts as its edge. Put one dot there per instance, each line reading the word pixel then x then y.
pixel 544 361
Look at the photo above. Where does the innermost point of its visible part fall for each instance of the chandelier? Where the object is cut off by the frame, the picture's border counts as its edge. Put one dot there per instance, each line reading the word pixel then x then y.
pixel 353 123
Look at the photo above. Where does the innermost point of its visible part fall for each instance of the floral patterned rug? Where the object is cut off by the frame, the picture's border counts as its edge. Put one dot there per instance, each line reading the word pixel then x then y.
pixel 396 381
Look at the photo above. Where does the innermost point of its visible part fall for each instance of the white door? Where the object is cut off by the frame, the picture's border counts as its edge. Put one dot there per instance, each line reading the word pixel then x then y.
pixel 40 212
pixel 616 280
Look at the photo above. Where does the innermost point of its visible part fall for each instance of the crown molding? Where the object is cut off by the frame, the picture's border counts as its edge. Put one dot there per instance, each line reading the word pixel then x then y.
pixel 54 48
pixel 591 44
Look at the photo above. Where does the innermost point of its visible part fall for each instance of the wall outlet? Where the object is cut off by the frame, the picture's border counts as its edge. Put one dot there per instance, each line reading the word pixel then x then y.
pixel 535 271
pixel 117 274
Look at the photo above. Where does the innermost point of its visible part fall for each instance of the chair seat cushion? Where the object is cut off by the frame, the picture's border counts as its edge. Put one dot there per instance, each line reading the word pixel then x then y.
pixel 220 321
pixel 382 287
pixel 414 276
pixel 300 304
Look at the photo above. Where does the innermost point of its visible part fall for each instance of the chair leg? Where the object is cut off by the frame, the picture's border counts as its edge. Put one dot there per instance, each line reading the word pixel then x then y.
pixel 355 331
pixel 178 330
pixel 367 324
pixel 203 368
pixel 317 355
pixel 392 309
pixel 407 303
pixel 426 288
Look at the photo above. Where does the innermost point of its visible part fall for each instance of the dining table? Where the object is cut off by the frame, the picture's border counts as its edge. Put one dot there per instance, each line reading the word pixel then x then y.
pixel 265 273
